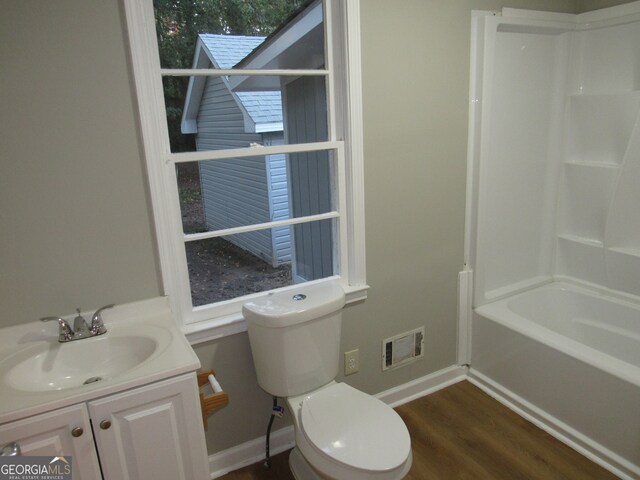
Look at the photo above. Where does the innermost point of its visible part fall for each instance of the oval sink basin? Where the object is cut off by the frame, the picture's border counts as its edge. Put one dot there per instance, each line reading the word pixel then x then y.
pixel 74 364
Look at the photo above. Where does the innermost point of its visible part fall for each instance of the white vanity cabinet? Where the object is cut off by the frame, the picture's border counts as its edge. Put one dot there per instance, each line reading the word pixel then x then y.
pixel 152 432
pixel 63 432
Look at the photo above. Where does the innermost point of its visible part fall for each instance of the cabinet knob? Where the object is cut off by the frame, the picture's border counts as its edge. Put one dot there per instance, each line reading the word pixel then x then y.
pixel 105 424
pixel 76 432
pixel 10 450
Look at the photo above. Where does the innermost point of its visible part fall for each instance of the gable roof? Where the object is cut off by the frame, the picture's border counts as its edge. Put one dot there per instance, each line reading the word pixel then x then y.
pixel 262 109
pixel 228 50
pixel 297 44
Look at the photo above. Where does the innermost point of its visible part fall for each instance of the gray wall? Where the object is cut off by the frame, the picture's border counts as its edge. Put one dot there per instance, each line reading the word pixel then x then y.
pixel 75 223
pixel 75 218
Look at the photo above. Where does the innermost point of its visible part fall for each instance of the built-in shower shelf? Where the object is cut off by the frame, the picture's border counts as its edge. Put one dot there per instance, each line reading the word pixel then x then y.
pixel 581 257
pixel 591 242
pixel 591 164
pixel 599 127
pixel 628 93
pixel 632 252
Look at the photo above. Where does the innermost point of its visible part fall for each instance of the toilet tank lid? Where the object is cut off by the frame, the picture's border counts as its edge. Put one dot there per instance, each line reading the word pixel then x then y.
pixel 283 309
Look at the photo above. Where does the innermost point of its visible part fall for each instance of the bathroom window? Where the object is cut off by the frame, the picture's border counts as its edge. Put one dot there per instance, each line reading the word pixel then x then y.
pixel 251 123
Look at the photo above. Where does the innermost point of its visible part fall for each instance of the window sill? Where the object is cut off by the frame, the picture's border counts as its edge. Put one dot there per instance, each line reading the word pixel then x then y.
pixel 213 329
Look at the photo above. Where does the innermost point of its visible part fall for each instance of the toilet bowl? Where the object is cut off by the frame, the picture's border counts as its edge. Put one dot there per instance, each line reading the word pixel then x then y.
pixel 341 432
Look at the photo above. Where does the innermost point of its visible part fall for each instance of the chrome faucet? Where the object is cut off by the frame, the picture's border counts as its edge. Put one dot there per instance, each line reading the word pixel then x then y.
pixel 65 334
pixel 80 328
pixel 97 325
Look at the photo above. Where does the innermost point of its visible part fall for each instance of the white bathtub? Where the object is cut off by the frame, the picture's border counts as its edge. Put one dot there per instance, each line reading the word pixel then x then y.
pixel 569 360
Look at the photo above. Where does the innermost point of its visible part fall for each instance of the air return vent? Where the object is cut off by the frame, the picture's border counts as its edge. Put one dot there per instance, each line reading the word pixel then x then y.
pixel 403 348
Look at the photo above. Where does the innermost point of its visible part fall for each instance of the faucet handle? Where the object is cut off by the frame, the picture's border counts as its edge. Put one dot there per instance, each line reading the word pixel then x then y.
pixel 65 334
pixel 97 325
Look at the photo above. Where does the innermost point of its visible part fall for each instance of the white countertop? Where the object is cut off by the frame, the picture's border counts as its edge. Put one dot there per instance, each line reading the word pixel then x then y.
pixel 152 318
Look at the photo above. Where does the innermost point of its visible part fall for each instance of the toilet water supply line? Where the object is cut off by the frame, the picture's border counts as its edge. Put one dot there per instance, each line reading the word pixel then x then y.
pixel 276 411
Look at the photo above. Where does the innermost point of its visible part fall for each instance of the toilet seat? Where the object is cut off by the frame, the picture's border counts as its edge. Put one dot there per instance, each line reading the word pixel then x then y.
pixel 349 434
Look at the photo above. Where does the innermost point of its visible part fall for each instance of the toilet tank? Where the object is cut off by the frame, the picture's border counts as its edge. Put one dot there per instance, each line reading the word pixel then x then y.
pixel 295 337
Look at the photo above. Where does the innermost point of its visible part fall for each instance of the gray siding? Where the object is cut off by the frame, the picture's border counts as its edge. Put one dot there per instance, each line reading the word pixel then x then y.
pixel 235 192
pixel 279 194
pixel 310 179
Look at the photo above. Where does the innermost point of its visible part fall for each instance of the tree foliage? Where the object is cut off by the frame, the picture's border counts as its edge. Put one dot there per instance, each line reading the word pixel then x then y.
pixel 178 23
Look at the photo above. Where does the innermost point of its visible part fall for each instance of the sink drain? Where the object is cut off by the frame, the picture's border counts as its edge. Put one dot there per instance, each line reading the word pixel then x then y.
pixel 92 380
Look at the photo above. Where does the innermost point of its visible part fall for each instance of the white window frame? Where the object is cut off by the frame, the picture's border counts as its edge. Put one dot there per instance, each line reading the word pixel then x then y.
pixel 224 318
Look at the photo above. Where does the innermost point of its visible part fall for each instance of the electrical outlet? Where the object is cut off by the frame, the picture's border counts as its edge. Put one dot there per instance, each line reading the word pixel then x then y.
pixel 351 361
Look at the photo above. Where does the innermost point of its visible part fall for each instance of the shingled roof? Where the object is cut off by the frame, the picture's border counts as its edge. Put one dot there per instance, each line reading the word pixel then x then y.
pixel 224 52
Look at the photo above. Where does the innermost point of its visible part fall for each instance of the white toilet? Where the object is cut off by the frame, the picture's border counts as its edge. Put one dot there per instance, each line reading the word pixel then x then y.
pixel 341 433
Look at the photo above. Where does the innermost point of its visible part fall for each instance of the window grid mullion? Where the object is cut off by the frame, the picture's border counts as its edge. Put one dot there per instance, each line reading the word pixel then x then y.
pixel 245 152
pixel 213 72
pixel 191 237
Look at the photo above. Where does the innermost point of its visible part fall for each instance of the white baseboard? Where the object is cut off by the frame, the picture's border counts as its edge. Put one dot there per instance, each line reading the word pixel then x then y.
pixel 250 452
pixel 556 428
pixel 420 387
pixel 253 451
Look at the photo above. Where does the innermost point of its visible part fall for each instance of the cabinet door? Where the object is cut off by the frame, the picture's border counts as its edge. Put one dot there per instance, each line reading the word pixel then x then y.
pixel 50 434
pixel 153 432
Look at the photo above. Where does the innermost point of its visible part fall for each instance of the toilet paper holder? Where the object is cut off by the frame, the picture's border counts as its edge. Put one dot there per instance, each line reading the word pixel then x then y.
pixel 214 401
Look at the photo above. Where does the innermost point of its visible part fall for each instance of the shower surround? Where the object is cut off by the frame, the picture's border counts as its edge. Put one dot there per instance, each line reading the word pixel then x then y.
pixel 554 206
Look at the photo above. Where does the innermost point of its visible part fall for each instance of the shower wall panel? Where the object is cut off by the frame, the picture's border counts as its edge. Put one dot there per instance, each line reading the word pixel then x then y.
pixel 556 151
pixel 598 223
pixel 523 98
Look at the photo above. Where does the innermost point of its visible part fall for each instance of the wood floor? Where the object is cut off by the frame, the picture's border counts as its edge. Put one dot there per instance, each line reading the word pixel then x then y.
pixel 462 433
